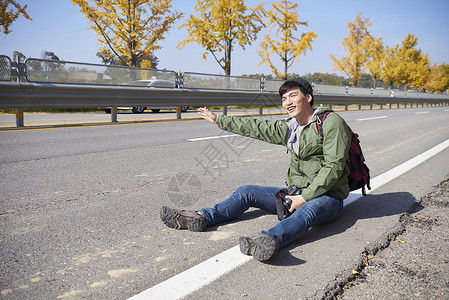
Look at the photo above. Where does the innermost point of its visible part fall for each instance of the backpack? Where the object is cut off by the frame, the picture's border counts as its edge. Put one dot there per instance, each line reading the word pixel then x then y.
pixel 359 171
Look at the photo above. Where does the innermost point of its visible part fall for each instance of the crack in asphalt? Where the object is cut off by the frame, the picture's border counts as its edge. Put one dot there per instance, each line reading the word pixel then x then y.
pixel 346 278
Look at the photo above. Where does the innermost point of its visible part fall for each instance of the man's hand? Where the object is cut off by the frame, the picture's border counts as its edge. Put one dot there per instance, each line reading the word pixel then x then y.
pixel 207 114
pixel 297 202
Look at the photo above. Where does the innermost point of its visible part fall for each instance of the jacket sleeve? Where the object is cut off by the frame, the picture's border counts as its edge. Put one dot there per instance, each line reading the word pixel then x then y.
pixel 274 132
pixel 336 143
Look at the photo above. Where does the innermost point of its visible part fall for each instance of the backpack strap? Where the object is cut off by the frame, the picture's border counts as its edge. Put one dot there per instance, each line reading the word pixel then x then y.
pixel 320 120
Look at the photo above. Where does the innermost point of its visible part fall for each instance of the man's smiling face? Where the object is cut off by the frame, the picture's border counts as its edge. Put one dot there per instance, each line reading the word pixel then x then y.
pixel 294 102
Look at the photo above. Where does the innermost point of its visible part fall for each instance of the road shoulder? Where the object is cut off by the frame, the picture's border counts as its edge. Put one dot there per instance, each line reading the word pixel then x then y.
pixel 411 264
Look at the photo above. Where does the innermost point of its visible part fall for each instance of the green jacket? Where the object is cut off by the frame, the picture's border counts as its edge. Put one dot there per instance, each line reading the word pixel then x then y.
pixel 322 166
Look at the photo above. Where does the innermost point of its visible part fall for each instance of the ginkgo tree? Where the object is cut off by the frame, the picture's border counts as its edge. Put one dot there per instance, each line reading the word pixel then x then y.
pixel 376 54
pixel 391 72
pixel 444 70
pixel 10 11
pixel 129 30
pixel 436 82
pixel 221 26
pixel 416 64
pixel 286 45
pixel 357 45
pixel 404 64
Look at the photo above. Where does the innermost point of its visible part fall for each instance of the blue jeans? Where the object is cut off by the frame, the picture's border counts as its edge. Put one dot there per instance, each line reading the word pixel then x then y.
pixel 317 211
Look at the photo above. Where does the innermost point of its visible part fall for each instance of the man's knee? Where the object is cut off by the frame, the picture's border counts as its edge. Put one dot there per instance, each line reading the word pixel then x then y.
pixel 244 189
pixel 247 189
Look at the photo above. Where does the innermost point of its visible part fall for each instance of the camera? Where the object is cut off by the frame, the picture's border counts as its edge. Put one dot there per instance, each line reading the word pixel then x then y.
pixel 283 204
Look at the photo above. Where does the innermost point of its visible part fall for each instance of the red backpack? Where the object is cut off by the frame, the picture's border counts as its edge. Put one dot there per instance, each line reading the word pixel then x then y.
pixel 359 172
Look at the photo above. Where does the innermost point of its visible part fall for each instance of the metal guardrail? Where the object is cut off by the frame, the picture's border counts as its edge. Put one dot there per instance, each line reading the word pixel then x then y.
pixel 58 84
pixel 23 95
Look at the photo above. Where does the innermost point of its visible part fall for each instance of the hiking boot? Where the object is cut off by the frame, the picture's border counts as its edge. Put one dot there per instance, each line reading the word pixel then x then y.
pixel 183 219
pixel 261 246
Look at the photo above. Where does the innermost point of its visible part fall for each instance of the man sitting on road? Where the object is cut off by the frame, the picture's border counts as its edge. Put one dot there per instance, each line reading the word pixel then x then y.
pixel 319 166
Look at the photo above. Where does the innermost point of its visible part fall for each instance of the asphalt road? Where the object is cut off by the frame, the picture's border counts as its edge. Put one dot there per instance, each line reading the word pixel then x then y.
pixel 79 206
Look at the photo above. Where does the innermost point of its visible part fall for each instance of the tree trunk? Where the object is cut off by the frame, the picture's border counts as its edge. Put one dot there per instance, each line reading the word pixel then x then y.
pixel 285 66
pixel 228 59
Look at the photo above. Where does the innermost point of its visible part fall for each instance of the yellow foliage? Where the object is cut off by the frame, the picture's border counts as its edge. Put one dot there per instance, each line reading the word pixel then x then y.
pixel 419 71
pixel 147 65
pixel 444 70
pixel 130 29
pixel 7 17
pixel 283 17
pixel 406 64
pixel 221 25
pixel 392 69
pixel 358 45
pixel 399 240
pixel 376 57
pixel 437 81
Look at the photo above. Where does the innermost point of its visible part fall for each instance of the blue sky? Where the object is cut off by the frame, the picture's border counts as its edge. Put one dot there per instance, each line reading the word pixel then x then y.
pixel 59 26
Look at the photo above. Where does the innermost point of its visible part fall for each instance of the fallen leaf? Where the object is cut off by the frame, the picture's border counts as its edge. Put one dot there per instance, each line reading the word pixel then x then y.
pixel 354 272
pixel 370 256
pixel 399 240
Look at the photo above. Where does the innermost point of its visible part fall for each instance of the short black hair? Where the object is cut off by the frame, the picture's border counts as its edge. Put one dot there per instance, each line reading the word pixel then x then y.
pixel 297 83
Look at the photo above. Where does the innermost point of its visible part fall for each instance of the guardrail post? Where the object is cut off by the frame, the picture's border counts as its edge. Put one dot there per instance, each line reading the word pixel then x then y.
pixel 260 110
pixel 225 110
pixel 113 114
pixel 19 117
pixel 179 79
pixel 178 112
pixel 346 93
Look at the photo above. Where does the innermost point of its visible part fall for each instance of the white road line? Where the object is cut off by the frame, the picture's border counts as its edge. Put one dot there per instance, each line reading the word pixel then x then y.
pixel 373 118
pixel 422 112
pixel 398 171
pixel 212 137
pixel 206 272
pixel 196 277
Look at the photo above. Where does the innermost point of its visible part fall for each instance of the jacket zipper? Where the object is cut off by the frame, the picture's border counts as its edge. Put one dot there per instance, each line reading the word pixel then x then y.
pixel 299 143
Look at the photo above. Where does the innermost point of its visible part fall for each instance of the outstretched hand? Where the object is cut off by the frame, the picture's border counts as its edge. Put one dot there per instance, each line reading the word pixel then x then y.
pixel 207 114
